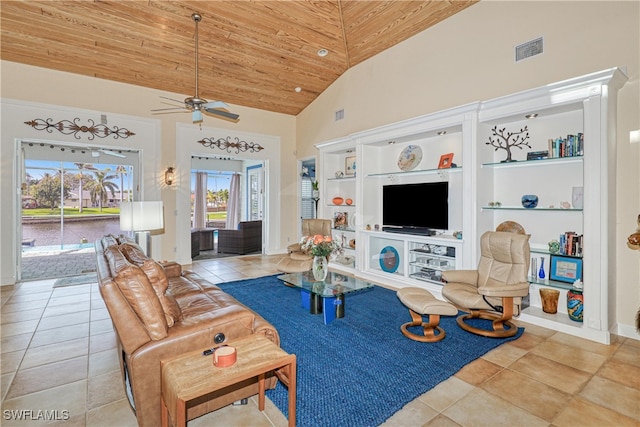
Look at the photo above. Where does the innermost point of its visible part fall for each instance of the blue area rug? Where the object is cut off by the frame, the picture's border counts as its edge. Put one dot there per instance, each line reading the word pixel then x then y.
pixel 358 370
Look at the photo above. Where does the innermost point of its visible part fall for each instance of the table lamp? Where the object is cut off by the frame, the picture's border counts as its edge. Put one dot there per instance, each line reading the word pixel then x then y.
pixel 141 218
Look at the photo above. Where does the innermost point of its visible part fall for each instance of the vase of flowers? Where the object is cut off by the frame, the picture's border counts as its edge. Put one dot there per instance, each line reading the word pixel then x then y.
pixel 321 248
pixel 320 268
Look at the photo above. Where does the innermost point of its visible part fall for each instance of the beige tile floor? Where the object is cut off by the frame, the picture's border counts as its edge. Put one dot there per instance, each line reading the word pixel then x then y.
pixel 58 355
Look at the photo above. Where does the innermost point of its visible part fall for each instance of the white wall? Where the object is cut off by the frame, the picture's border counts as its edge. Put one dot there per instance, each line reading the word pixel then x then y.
pixel 187 146
pixel 45 93
pixel 470 57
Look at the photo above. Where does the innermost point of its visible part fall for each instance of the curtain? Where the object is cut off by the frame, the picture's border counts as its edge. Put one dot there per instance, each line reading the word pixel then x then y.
pixel 200 201
pixel 233 204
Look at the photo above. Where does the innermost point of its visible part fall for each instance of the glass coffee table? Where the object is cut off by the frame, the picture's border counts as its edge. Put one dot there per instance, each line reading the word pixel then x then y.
pixel 326 296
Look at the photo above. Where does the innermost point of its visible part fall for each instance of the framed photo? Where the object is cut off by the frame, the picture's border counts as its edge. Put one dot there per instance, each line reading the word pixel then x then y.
pixel 340 220
pixel 565 269
pixel 445 161
pixel 350 166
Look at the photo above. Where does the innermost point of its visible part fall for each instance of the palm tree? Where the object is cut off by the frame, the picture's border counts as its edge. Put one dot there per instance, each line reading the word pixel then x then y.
pixel 122 171
pixel 99 187
pixel 212 198
pixel 80 167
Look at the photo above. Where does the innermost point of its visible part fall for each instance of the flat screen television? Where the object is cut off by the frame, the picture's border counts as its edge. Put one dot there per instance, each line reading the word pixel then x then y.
pixel 415 207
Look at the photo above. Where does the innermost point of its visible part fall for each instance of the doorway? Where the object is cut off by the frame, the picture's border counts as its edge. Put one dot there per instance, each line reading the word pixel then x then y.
pixel 255 193
pixel 309 195
pixel 70 197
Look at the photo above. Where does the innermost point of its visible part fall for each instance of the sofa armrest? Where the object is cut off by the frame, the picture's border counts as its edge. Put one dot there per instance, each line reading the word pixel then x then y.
pixel 171 268
pixel 468 277
pixel 513 290
pixel 294 247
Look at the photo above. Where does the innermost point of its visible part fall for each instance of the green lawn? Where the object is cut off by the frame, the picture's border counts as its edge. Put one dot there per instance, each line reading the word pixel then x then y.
pixel 95 211
pixel 70 211
pixel 216 215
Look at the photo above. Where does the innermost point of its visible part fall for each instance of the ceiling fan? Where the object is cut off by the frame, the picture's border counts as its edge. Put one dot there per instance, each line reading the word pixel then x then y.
pixel 195 104
pixel 95 152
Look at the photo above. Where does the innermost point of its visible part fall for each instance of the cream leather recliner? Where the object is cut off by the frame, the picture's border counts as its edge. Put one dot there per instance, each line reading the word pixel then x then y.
pixel 298 261
pixel 495 290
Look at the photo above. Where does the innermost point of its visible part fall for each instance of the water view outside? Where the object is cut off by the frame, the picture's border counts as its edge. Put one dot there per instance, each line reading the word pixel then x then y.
pixel 44 256
pixel 38 235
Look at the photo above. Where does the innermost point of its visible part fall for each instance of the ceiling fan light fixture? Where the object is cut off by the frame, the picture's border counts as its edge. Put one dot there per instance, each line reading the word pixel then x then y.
pixel 195 104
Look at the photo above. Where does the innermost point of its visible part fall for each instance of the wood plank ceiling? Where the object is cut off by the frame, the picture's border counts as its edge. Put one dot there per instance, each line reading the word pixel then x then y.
pixel 251 53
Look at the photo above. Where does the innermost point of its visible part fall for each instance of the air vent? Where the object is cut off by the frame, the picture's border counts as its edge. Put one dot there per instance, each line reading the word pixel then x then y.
pixel 529 49
pixel 339 114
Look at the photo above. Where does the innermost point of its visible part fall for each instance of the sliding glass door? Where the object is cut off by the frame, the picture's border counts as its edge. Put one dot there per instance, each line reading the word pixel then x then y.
pixel 70 197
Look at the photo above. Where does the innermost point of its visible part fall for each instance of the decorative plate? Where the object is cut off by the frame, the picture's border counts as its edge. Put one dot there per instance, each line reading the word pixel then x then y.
pixel 410 157
pixel 389 259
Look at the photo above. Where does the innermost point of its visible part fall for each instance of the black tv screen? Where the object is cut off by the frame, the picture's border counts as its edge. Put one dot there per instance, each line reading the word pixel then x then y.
pixel 423 205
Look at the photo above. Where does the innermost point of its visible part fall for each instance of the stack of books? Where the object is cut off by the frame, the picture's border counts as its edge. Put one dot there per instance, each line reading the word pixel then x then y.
pixel 572 145
pixel 571 244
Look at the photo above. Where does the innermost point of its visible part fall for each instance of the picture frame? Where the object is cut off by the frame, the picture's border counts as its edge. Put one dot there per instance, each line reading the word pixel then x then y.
pixel 350 166
pixel 340 220
pixel 445 161
pixel 565 269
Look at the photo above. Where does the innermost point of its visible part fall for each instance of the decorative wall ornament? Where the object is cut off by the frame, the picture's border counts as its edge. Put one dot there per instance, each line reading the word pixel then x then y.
pixel 506 140
pixel 228 144
pixel 68 127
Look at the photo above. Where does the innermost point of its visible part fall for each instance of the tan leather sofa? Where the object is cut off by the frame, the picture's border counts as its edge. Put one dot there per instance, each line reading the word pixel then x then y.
pixel 160 311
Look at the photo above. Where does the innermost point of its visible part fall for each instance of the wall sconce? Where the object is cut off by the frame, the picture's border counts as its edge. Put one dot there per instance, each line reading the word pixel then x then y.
pixel 169 176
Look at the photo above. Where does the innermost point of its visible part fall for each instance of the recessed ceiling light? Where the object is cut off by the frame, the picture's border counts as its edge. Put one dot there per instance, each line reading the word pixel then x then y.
pixel 298 89
pixel 531 116
pixel 323 52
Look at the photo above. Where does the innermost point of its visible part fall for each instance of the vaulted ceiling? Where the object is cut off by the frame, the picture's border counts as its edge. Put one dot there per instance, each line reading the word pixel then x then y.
pixel 251 53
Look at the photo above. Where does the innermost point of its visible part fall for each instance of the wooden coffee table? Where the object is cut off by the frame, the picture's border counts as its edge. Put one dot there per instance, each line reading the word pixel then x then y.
pixel 193 375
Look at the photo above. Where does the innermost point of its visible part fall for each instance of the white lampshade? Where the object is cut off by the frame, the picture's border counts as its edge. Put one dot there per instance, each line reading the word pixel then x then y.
pixel 141 216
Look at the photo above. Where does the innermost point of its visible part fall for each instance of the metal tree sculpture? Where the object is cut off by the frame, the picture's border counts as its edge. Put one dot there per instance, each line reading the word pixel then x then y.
pixel 506 140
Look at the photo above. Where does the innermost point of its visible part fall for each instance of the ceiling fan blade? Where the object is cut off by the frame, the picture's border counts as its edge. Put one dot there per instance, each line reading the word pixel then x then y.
pixel 171 99
pixel 222 113
pixel 169 109
pixel 170 112
pixel 215 104
pixel 112 153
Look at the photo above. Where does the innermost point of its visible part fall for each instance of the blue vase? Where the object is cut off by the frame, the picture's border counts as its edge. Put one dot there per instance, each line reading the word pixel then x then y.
pixel 541 272
pixel 529 201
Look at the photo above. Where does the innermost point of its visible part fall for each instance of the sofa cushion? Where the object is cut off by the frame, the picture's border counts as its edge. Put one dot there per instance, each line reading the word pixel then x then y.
pixel 133 253
pixel 137 289
pixel 122 239
pixel 109 240
pixel 156 275
pixel 158 278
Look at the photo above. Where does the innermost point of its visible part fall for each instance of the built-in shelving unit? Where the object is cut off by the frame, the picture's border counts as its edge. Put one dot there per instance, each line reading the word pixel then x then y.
pixel 415 172
pixel 336 181
pixel 488 190
pixel 583 105
pixel 410 260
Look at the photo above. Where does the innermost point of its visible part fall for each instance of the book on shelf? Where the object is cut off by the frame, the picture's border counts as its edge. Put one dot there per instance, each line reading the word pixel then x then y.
pixel 571 244
pixel 571 146
pixel 537 155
